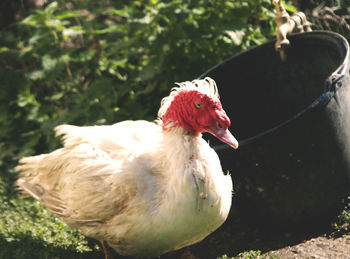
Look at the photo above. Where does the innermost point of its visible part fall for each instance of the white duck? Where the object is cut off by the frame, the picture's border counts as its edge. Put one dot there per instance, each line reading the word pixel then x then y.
pixel 143 188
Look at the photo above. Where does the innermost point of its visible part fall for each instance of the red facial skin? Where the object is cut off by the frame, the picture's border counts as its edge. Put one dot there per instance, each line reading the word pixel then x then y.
pixel 195 112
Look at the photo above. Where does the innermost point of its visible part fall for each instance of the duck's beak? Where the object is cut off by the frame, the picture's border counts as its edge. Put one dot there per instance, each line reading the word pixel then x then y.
pixel 225 136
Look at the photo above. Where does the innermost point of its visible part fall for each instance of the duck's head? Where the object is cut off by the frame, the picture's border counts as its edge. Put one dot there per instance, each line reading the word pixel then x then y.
pixel 195 106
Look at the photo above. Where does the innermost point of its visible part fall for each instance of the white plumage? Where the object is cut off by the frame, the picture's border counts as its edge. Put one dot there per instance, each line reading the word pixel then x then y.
pixel 143 189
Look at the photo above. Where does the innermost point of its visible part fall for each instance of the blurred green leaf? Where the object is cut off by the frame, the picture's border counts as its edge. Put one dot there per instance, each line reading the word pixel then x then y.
pixel 51 8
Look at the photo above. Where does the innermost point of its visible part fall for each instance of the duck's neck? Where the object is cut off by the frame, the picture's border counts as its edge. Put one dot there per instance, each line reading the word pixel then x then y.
pixel 180 147
pixel 184 165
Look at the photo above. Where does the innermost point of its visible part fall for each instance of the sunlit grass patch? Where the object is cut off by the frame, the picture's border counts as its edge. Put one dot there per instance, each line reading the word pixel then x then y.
pixel 28 230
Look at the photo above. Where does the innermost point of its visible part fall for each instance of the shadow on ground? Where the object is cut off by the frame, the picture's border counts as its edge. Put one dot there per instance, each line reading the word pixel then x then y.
pixel 238 235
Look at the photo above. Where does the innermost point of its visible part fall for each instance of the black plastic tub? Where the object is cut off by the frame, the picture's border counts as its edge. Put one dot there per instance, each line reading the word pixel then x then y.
pixel 292 120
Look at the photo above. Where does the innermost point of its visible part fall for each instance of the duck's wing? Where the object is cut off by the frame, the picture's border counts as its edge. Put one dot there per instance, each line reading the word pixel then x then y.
pixel 95 177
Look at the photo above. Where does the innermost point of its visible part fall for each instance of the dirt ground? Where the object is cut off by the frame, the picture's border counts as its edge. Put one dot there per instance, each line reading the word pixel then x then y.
pixel 236 236
pixel 322 247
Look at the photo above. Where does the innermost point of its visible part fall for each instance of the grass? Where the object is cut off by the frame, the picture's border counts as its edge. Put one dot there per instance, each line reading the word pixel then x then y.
pixel 28 230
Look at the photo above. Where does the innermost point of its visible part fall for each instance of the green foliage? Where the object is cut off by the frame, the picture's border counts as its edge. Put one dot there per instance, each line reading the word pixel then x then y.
pixel 98 62
pixel 342 225
pixel 88 62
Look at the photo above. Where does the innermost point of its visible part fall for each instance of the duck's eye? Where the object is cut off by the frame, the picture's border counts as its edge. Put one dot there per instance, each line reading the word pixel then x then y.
pixel 198 105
